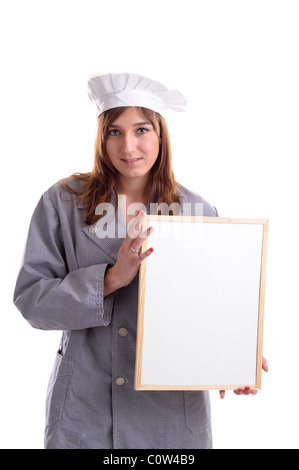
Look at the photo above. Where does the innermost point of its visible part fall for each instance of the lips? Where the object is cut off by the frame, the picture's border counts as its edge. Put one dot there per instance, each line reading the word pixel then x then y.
pixel 130 161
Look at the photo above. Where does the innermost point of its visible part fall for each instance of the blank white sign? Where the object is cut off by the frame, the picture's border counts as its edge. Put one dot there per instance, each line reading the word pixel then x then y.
pixel 199 318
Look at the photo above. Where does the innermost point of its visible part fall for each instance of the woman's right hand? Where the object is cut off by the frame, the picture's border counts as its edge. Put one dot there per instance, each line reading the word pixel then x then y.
pixel 128 261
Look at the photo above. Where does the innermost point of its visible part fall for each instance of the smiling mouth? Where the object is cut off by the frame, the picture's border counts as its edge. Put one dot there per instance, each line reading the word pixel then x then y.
pixel 130 161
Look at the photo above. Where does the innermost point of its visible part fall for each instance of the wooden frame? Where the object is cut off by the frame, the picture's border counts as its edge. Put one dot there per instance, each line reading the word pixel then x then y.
pixel 164 349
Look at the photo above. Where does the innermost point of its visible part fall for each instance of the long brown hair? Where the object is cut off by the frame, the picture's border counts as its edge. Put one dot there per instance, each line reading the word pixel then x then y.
pixel 97 186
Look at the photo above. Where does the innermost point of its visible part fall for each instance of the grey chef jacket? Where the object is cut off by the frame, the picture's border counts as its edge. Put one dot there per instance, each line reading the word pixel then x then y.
pixel 91 401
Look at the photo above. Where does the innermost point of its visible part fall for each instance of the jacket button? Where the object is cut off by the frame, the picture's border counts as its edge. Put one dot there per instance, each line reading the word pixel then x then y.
pixel 93 229
pixel 120 381
pixel 123 332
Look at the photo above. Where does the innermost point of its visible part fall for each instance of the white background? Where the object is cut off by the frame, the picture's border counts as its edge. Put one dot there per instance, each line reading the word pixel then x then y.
pixel 237 64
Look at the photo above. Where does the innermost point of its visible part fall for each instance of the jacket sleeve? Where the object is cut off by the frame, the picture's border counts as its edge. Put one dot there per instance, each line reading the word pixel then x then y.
pixel 47 295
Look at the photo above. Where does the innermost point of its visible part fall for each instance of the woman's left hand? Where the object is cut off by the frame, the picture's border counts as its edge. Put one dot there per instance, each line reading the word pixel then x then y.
pixel 247 390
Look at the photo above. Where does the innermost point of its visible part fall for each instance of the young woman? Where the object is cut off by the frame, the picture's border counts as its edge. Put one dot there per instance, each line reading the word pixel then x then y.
pixel 76 279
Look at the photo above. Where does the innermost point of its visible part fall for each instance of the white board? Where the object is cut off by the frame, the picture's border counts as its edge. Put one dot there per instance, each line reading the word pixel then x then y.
pixel 201 300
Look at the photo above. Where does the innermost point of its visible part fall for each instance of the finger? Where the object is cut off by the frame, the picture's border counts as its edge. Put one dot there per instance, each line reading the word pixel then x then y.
pixel 135 225
pixel 145 254
pixel 138 242
pixel 264 365
pixel 222 393
pixel 134 229
pixel 246 391
pixel 145 234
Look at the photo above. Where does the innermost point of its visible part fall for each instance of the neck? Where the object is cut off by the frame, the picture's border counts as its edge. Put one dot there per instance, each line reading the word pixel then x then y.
pixel 135 189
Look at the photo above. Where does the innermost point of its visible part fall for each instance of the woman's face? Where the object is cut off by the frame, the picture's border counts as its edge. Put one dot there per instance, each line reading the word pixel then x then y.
pixel 132 145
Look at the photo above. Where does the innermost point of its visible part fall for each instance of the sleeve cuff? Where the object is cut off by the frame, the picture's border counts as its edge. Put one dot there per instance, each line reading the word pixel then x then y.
pixel 105 303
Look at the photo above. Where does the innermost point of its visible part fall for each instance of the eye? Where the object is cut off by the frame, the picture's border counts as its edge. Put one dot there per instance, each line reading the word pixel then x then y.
pixel 142 130
pixel 114 132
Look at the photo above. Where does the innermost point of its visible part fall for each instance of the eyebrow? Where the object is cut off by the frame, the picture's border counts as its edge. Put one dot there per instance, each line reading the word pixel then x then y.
pixel 144 123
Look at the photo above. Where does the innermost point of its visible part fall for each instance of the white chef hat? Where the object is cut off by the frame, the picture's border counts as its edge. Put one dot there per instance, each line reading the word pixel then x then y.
pixel 128 89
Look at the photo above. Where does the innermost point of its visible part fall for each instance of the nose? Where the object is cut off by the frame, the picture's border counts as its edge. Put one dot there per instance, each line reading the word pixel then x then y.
pixel 128 143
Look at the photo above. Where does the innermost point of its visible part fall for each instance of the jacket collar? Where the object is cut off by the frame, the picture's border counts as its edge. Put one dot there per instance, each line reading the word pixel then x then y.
pixel 111 243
